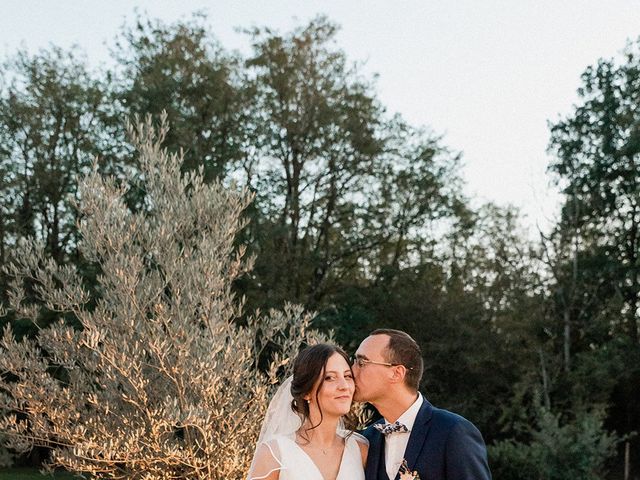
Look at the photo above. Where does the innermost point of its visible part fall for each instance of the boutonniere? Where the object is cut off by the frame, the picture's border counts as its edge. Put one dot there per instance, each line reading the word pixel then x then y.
pixel 406 474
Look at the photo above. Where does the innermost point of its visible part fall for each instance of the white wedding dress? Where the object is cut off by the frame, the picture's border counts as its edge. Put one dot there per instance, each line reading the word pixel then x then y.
pixel 293 463
pixel 277 451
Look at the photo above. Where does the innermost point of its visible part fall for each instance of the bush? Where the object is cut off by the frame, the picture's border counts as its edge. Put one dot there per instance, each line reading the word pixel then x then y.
pixel 512 461
pixel 576 450
pixel 6 459
pixel 160 381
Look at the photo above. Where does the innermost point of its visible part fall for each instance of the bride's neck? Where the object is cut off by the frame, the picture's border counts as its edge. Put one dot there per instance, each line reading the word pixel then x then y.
pixel 324 434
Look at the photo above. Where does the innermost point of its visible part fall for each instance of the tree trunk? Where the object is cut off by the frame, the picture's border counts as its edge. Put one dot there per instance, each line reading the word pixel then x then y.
pixel 567 341
pixel 627 455
pixel 2 235
pixel 545 381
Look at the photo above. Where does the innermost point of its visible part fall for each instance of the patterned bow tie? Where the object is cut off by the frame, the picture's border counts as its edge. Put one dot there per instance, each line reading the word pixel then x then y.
pixel 389 428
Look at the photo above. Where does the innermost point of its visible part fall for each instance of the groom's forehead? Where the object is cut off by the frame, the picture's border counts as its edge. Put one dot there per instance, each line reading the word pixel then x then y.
pixel 373 345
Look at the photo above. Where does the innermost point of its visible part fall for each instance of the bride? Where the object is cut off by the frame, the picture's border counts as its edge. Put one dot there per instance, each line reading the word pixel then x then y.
pixel 302 436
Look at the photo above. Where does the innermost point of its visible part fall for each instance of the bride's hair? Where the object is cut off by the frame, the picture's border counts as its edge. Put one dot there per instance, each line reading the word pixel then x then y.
pixel 308 366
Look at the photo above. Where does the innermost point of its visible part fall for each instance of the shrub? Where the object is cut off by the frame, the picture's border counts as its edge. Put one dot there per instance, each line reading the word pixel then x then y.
pixel 161 380
pixel 576 450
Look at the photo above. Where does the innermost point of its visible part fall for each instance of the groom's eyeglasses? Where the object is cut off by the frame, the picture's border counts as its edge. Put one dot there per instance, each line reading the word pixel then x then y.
pixel 361 362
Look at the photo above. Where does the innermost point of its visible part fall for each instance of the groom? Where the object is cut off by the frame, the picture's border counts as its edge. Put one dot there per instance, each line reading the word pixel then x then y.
pixel 437 444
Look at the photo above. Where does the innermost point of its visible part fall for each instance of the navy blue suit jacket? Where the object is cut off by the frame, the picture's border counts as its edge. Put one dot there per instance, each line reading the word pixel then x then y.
pixel 442 446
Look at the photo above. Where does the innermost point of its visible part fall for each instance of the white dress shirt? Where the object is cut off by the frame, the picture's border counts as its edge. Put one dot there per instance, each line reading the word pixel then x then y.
pixel 396 443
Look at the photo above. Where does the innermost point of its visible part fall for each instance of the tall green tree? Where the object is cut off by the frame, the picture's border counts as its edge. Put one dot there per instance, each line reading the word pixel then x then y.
pixel 597 150
pixel 52 113
pixel 315 136
pixel 182 70
pixel 341 188
pixel 55 117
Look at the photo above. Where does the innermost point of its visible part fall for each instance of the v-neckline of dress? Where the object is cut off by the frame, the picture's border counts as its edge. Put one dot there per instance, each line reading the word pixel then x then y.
pixel 308 457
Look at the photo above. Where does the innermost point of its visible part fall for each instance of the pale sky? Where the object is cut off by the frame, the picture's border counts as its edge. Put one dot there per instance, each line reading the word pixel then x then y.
pixel 487 74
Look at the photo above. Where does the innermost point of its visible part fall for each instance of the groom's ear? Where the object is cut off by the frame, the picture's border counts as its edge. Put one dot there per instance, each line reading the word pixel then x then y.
pixel 398 373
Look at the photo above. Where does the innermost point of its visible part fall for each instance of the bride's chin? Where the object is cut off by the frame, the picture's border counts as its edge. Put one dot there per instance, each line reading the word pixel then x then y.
pixel 343 411
pixel 337 412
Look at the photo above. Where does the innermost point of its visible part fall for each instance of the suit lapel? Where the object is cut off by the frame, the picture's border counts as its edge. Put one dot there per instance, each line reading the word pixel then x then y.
pixel 375 455
pixel 419 434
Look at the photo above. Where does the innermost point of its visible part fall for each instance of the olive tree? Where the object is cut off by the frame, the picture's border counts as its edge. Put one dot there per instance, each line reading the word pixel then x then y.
pixel 164 378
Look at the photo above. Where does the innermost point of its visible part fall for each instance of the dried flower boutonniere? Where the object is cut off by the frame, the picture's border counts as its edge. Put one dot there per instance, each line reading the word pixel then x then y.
pixel 406 474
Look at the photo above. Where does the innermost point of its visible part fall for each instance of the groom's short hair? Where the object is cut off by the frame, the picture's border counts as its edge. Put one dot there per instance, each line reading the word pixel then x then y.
pixel 404 350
